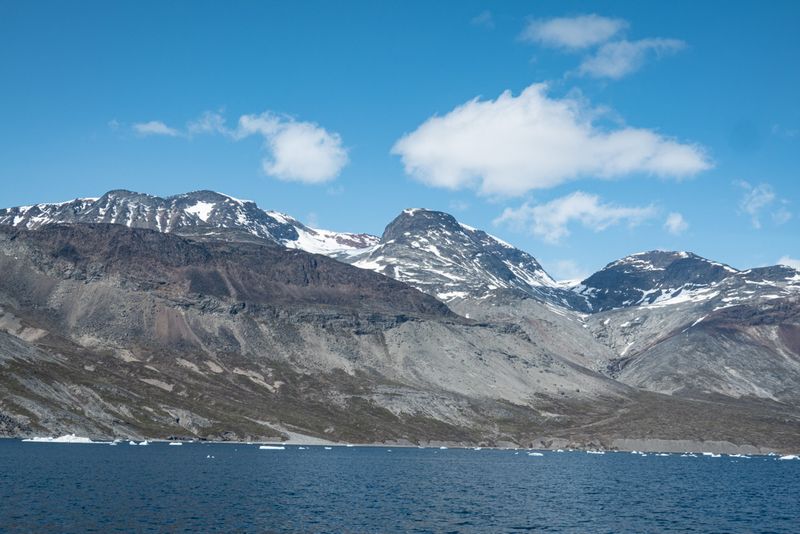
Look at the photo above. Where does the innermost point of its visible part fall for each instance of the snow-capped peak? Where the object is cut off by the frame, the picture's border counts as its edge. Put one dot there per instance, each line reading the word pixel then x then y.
pixel 198 213
pixel 434 252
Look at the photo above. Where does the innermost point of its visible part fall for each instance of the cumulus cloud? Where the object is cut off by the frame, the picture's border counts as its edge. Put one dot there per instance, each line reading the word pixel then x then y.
pixel 572 32
pixel 676 224
pixel 295 151
pixel 551 221
pixel 154 128
pixel 515 144
pixel 791 262
pixel 618 59
pixel 298 151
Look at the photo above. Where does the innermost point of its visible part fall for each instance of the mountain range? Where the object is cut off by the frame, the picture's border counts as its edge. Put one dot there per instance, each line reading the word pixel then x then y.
pixel 202 315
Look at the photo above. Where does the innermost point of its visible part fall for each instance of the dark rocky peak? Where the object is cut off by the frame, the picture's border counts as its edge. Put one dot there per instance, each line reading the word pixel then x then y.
pixel 646 277
pixel 434 252
pixel 414 222
pixel 779 274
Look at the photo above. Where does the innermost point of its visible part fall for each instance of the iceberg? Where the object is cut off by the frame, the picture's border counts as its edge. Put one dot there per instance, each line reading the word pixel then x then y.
pixel 175 443
pixel 67 438
pixel 789 457
pixel 535 454
pixel 272 447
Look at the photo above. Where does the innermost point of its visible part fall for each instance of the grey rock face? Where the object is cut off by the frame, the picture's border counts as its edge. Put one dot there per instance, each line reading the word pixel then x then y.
pixel 199 214
pixel 205 315
pixel 433 252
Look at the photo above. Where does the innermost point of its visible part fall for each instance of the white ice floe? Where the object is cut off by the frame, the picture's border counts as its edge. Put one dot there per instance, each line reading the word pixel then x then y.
pixel 535 454
pixel 175 443
pixel 789 457
pixel 272 447
pixel 67 438
pixel 595 452
pixel 144 443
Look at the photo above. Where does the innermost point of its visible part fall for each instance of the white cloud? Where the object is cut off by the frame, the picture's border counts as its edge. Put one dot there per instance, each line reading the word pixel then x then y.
pixel 617 59
pixel 514 144
pixel 791 262
pixel 676 224
pixel 567 270
pixel 551 221
pixel 755 199
pixel 573 32
pixel 154 128
pixel 298 151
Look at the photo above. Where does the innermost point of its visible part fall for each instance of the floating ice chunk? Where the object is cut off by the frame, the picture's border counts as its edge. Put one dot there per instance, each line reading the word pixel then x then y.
pixel 535 454
pixel 328 448
pixel 789 457
pixel 595 452
pixel 175 443
pixel 67 438
pixel 272 447
pixel 144 443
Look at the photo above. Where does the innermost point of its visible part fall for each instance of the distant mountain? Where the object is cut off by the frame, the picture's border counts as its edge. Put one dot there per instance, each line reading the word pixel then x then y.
pixel 664 277
pixel 205 315
pixel 200 214
pixel 435 253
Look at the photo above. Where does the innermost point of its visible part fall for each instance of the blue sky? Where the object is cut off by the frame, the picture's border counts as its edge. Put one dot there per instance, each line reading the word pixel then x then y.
pixel 580 132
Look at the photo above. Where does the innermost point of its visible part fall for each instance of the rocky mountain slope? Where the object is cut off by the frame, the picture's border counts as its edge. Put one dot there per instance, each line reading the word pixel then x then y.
pixel 201 213
pixel 436 254
pixel 131 332
pixel 203 315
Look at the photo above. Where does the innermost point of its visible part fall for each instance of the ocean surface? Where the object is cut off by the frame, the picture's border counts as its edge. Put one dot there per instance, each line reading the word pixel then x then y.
pixel 48 487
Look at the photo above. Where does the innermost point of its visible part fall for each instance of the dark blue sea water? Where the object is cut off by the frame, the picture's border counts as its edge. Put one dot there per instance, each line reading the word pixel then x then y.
pixel 80 488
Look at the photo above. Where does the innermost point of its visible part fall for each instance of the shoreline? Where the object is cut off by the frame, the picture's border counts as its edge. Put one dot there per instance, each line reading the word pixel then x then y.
pixel 619 445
